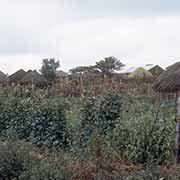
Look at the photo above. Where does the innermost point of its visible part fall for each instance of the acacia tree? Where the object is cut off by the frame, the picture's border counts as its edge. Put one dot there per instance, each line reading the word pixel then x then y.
pixel 80 69
pixel 48 69
pixel 104 67
pixel 108 66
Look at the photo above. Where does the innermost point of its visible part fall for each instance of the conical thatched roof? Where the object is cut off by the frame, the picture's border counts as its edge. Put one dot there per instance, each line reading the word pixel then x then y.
pixel 140 73
pixel 90 75
pixel 169 80
pixel 3 78
pixel 174 67
pixel 17 76
pixel 28 71
pixel 156 70
pixel 61 73
pixel 35 78
pixel 122 76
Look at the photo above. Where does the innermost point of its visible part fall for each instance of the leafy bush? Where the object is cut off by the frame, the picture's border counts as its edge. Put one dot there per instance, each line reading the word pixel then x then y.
pixel 45 171
pixel 43 123
pixel 13 159
pixel 48 126
pixel 20 119
pixel 101 113
pixel 146 132
pixel 134 127
pixel 20 160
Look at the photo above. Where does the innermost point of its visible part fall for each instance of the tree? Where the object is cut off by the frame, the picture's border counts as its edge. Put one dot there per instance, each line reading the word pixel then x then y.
pixel 78 70
pixel 48 69
pixel 109 65
pixel 104 67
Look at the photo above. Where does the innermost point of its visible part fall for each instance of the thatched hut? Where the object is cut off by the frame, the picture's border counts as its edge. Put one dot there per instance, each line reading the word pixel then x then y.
pixel 174 66
pixel 90 75
pixel 140 74
pixel 16 77
pixel 29 71
pixel 61 73
pixel 3 79
pixel 35 79
pixel 156 71
pixel 121 76
pixel 169 82
pixel 140 81
pixel 61 77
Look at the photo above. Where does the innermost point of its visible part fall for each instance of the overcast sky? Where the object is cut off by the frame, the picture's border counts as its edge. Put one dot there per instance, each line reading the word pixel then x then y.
pixel 80 32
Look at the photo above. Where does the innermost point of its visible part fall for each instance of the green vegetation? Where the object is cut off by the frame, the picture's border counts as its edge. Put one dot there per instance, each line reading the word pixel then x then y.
pixel 42 123
pixel 112 136
pixel 106 67
pixel 48 69
pixel 109 65
pixel 101 113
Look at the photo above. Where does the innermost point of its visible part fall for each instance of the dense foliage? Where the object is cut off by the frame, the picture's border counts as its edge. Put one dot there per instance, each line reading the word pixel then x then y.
pixel 22 161
pixel 117 131
pixel 48 69
pixel 146 132
pixel 101 113
pixel 109 65
pixel 44 124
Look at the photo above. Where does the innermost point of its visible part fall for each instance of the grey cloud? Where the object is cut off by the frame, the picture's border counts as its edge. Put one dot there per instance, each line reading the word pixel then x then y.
pixel 26 26
pixel 81 31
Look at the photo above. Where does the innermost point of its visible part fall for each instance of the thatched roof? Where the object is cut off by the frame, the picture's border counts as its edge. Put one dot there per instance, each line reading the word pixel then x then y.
pixel 29 71
pixel 131 69
pixel 122 76
pixel 35 78
pixel 61 73
pixel 3 78
pixel 174 66
pixel 140 73
pixel 90 75
pixel 156 70
pixel 169 80
pixel 84 75
pixel 17 76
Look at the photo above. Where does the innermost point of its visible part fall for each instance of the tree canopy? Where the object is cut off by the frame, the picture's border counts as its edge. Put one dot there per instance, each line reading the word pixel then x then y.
pixel 48 69
pixel 109 65
pixel 106 66
pixel 80 69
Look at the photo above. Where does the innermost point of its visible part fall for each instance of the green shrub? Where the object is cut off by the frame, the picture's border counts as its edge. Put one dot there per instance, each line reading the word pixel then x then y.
pixel 14 159
pixel 101 113
pixel 45 171
pixel 44 123
pixel 48 126
pixel 146 132
pixel 21 161
pixel 20 119
pixel 16 117
pixel 132 126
